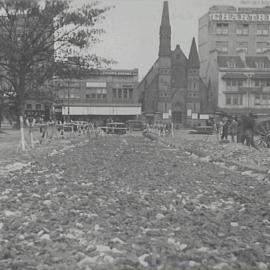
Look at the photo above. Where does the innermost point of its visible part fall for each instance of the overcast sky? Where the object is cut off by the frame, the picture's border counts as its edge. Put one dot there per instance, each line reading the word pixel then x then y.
pixel 132 28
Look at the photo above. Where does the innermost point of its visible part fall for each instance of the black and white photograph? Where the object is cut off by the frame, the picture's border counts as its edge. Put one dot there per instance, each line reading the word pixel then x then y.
pixel 134 134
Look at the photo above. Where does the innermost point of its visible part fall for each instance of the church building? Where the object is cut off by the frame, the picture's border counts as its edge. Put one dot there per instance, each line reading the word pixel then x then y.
pixel 172 88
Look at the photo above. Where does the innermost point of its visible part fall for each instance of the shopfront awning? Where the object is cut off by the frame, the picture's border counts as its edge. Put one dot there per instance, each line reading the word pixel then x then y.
pixel 102 110
pixel 258 76
pixel 239 76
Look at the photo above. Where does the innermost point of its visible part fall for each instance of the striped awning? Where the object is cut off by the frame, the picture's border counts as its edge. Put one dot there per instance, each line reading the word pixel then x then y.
pixel 239 76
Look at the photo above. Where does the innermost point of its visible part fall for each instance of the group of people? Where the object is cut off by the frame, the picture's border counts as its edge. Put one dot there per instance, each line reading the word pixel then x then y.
pixel 164 129
pixel 239 128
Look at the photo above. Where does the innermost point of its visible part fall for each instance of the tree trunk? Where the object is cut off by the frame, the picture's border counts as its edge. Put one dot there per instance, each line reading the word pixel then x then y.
pixel 21 99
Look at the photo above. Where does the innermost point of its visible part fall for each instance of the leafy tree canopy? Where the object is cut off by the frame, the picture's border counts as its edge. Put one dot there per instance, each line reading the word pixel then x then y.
pixel 38 38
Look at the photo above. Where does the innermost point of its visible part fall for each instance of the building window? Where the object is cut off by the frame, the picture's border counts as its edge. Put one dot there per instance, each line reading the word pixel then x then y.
pixel 231 63
pixel 234 99
pixel 130 95
pixel 222 28
pixel 28 106
pixel 119 93
pixel 222 47
pixel 257 100
pixel 261 83
pixel 38 106
pixel 114 93
pixel 265 99
pixel 125 93
pixel 242 29
pixel 87 96
pixel 259 64
pixel 242 46
pixel 262 47
pixel 262 29
pixel 233 83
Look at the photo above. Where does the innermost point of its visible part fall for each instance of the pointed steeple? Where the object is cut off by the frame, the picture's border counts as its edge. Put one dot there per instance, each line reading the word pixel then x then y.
pixel 165 32
pixel 193 59
pixel 165 21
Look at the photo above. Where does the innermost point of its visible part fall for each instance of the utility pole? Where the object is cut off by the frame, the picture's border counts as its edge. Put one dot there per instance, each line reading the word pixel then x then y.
pixel 68 101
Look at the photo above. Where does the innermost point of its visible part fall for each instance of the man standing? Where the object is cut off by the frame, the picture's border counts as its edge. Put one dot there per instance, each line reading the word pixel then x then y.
pixel 233 129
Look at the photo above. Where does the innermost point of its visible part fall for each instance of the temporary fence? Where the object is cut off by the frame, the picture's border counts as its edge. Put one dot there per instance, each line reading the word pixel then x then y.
pixel 40 133
pixel 161 130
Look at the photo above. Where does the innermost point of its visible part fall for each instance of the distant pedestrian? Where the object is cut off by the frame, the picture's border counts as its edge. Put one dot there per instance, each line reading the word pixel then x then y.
pixel 233 129
pixel 249 130
pixel 225 130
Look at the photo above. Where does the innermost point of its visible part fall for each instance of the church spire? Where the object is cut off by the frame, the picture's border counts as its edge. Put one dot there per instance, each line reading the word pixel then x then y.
pixel 193 59
pixel 165 32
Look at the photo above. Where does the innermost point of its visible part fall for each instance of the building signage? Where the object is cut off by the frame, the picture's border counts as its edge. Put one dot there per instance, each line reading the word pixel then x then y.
pixel 247 17
pixel 117 73
pixel 96 84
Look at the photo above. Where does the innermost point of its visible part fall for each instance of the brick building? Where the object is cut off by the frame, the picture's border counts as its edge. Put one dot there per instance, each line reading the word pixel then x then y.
pixel 99 95
pixel 173 85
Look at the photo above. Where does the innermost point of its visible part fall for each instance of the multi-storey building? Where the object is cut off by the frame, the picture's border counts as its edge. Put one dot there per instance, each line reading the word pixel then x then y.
pixel 172 86
pixel 99 95
pixel 230 30
pixel 240 84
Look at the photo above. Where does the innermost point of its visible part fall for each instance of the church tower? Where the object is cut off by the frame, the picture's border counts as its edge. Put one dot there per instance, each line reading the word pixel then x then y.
pixel 193 79
pixel 165 32
pixel 164 62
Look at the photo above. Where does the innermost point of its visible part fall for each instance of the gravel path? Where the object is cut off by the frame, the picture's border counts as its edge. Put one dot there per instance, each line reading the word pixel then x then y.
pixel 128 203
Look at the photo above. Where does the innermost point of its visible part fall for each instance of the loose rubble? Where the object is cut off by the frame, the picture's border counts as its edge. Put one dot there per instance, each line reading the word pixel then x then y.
pixel 131 203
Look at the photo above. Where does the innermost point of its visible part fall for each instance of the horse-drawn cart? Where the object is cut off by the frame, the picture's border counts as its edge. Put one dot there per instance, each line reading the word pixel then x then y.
pixel 262 131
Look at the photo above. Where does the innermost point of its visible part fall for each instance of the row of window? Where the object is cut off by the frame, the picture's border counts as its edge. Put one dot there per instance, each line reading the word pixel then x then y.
pixel 262 99
pixel 234 83
pixel 30 107
pixel 234 99
pixel 261 47
pixel 122 93
pixel 237 99
pixel 96 96
pixel 242 29
pixel 232 64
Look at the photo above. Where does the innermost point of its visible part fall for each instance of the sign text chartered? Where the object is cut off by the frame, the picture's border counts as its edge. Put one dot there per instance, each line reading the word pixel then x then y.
pixel 248 17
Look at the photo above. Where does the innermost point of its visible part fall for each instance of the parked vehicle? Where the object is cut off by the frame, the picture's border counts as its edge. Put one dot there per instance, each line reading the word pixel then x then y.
pixel 136 125
pixel 115 128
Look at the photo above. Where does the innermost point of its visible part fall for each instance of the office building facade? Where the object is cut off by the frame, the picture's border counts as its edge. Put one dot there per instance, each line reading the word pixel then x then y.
pixel 230 30
pixel 98 95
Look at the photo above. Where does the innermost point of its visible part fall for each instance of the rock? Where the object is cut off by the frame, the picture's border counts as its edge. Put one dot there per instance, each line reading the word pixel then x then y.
pixel 234 224
pixel 220 266
pixel 47 203
pixel 117 240
pixel 45 237
pixel 108 259
pixel 88 261
pixel 262 266
pixel 142 260
pixel 183 247
pixel 193 264
pixel 160 216
pixel 8 213
pixel 247 173
pixel 206 159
